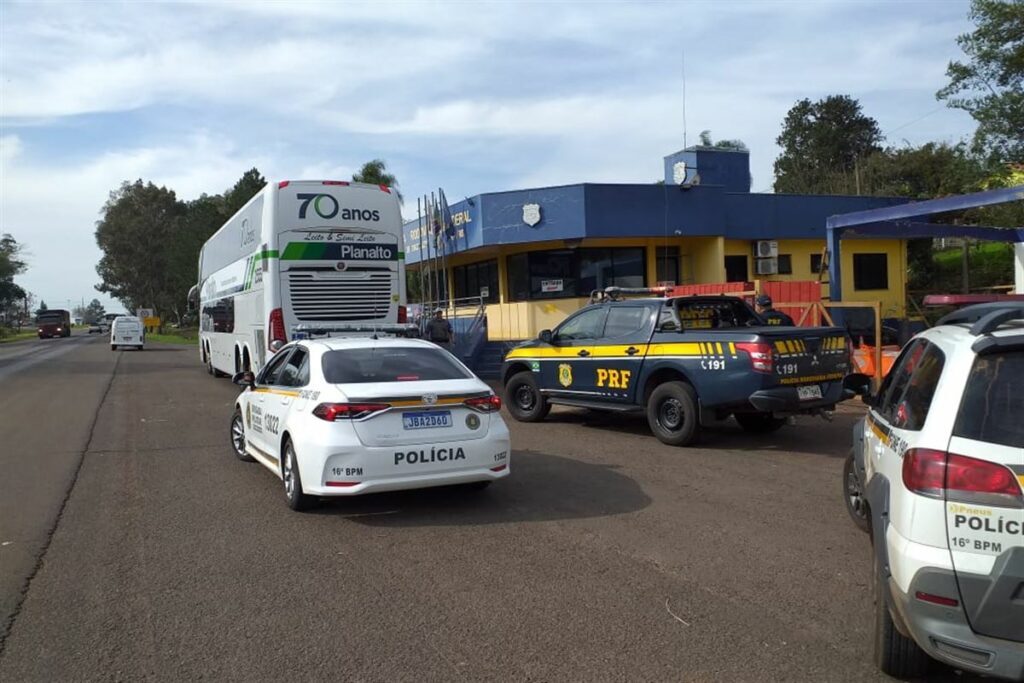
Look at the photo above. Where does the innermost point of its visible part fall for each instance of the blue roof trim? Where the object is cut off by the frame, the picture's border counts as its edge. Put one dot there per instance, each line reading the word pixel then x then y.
pixel 588 211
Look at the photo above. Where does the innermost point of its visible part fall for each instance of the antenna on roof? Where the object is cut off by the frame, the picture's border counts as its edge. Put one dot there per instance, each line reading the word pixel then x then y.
pixel 683 52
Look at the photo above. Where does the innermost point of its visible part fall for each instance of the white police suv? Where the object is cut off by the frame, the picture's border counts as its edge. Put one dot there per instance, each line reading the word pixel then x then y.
pixel 340 417
pixel 940 457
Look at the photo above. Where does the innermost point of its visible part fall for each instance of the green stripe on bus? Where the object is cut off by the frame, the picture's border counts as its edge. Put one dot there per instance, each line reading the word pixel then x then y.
pixel 267 254
pixel 304 251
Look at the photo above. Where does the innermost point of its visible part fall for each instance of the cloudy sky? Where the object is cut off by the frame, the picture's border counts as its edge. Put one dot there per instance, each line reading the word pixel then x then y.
pixel 472 97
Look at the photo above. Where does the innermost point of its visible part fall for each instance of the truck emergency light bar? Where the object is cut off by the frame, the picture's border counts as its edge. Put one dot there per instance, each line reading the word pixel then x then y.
pixel 618 293
pixel 361 329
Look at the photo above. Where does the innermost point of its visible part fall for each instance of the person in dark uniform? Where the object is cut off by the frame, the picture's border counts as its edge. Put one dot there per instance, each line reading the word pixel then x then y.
pixel 439 330
pixel 770 315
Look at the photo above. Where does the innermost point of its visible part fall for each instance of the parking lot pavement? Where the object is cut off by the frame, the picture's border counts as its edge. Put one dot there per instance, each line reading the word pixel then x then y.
pixel 605 556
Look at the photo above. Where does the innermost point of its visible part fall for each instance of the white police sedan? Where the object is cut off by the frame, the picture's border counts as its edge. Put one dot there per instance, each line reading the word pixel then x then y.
pixel 345 416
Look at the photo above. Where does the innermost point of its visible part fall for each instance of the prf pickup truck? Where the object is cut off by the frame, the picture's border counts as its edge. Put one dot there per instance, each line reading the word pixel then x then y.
pixel 685 361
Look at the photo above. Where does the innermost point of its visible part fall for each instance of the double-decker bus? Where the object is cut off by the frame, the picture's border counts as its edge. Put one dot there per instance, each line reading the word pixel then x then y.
pixel 321 254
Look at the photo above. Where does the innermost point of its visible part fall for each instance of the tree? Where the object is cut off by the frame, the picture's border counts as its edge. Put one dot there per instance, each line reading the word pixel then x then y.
pixel 11 261
pixel 136 232
pixel 990 84
pixel 93 312
pixel 251 182
pixel 735 145
pixel 42 308
pixel 820 140
pixel 375 173
pixel 151 241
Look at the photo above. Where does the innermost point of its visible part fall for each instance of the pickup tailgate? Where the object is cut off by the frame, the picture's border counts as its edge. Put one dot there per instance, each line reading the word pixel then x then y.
pixel 807 355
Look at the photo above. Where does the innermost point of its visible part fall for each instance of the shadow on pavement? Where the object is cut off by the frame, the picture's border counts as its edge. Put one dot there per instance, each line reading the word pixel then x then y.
pixel 541 488
pixel 808 435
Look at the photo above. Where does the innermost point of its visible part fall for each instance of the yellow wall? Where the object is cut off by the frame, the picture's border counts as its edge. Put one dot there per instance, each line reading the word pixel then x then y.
pixel 893 299
pixel 701 261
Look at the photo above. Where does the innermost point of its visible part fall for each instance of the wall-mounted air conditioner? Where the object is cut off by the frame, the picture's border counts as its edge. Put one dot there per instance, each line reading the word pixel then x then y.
pixel 767 266
pixel 766 249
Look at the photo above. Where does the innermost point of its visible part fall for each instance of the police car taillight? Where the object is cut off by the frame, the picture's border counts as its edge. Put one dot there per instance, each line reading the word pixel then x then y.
pixel 938 474
pixel 332 412
pixel 484 404
pixel 760 355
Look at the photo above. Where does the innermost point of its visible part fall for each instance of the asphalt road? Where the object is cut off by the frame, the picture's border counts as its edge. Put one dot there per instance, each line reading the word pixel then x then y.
pixel 135 546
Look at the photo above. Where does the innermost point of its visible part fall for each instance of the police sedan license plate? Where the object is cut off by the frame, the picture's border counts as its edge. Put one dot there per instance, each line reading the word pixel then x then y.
pixel 429 419
pixel 808 393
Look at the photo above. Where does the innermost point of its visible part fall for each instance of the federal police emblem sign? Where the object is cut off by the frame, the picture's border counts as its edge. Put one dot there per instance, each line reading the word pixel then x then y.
pixel 531 214
pixel 565 374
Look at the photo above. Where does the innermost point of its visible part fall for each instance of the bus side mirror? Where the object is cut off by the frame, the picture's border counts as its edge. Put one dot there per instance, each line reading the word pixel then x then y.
pixel 244 379
pixel 545 336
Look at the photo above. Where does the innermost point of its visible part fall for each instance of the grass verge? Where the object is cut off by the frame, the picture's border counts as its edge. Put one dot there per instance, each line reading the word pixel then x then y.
pixel 6 336
pixel 176 337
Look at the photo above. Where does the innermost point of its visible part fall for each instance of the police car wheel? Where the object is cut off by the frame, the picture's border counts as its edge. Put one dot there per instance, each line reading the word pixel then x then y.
pixel 113 347
pixel 760 423
pixel 853 494
pixel 672 413
pixel 524 400
pixel 297 500
pixel 238 437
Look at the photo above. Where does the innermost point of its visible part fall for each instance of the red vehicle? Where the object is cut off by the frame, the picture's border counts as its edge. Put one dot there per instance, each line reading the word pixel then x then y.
pixel 54 323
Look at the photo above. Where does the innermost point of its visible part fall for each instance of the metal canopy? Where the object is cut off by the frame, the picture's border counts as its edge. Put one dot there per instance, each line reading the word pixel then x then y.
pixel 897 221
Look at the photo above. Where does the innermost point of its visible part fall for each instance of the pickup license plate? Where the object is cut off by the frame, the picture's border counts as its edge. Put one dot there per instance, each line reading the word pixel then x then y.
pixel 126 338
pixel 809 392
pixel 430 419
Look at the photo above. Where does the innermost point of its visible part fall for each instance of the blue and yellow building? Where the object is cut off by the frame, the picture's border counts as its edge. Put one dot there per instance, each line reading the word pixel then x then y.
pixel 536 254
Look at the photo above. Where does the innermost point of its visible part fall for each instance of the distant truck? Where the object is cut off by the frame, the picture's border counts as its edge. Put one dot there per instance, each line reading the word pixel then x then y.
pixel 54 322
pixel 684 361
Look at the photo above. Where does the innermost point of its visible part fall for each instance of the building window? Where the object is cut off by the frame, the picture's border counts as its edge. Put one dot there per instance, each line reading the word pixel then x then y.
pixel 668 265
pixel 518 277
pixel 870 271
pixel 785 264
pixel 736 269
pixel 815 264
pixel 562 273
pixel 476 279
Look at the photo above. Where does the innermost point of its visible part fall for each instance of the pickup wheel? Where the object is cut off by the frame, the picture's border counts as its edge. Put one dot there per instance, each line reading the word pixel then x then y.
pixel 523 398
pixel 760 423
pixel 672 413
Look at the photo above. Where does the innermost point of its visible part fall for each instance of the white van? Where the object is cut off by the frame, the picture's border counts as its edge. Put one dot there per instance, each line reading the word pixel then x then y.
pixel 127 330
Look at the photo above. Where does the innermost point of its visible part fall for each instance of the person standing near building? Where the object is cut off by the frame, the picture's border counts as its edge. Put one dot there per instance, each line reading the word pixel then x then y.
pixel 439 330
pixel 770 315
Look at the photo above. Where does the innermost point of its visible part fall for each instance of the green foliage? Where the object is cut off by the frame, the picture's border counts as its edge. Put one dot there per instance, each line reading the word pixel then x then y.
pixel 821 141
pixel 375 173
pixel 11 261
pixel 735 145
pixel 990 84
pixel 42 308
pixel 251 182
pixel 93 312
pixel 151 241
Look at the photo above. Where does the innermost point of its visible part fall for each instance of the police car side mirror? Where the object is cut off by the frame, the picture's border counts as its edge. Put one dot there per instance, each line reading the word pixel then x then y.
pixel 858 384
pixel 244 379
pixel 545 336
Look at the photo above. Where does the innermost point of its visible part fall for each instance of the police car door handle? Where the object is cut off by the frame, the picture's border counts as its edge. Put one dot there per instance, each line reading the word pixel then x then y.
pixel 583 352
pixel 632 351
